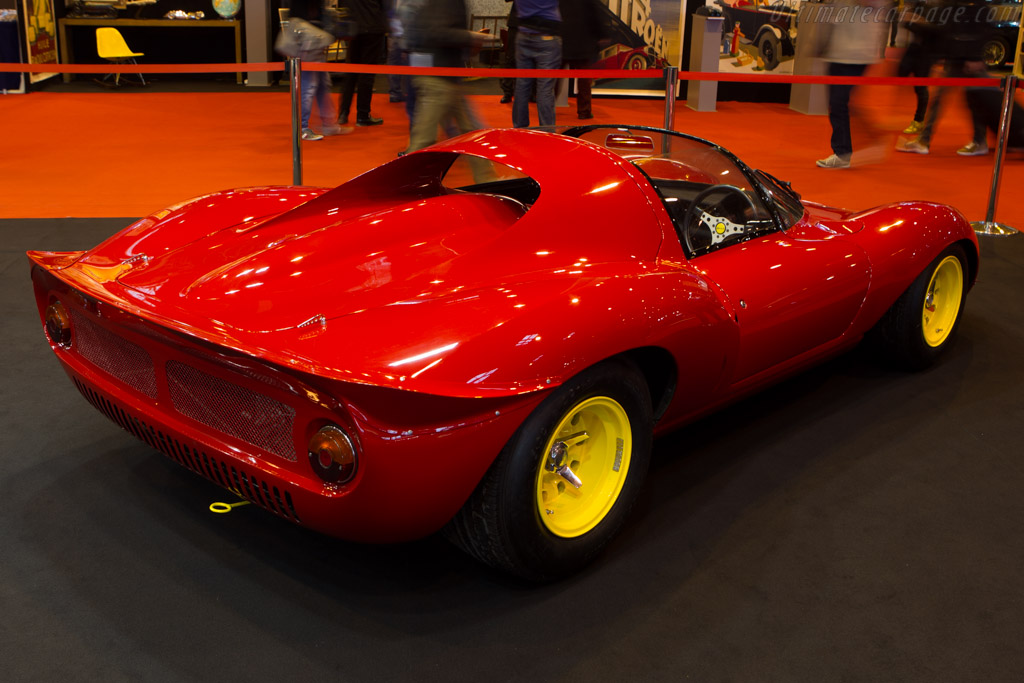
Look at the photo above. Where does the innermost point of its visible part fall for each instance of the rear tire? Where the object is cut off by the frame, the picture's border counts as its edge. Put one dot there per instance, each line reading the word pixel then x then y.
pixel 769 48
pixel 921 325
pixel 530 521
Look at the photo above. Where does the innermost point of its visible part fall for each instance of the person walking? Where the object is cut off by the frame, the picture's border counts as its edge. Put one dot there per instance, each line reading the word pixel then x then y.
pixel 853 42
pixel 366 47
pixel 305 21
pixel 438 35
pixel 961 32
pixel 538 46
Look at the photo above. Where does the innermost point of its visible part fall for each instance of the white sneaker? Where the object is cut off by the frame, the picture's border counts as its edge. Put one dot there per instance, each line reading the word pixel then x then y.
pixel 912 146
pixel 834 161
pixel 310 134
pixel 973 149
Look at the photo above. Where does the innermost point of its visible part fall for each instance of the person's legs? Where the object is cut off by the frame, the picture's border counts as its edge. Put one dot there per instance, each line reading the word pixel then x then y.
pixel 328 115
pixel 583 88
pixel 548 56
pixel 396 89
pixel 433 95
pixel 932 118
pixel 839 112
pixel 508 61
pixel 524 60
pixel 308 83
pixel 371 52
pixel 348 89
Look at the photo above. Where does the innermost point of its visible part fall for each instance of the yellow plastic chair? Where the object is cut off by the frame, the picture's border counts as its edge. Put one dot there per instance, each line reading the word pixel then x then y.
pixel 110 46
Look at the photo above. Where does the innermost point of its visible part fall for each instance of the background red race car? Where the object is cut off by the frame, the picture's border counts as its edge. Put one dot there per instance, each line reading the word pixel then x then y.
pixel 483 336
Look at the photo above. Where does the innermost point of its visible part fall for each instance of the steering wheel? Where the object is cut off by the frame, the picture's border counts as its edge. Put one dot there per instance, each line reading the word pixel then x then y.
pixel 707 221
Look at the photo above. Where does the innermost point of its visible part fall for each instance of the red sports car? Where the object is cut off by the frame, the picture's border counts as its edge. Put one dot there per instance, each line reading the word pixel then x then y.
pixel 484 336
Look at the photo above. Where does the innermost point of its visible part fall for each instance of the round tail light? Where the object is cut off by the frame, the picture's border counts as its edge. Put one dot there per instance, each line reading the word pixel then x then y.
pixel 58 325
pixel 332 455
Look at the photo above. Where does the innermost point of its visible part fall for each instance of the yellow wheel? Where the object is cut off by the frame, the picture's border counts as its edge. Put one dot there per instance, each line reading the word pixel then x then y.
pixel 942 301
pixel 566 480
pixel 583 466
pixel 921 324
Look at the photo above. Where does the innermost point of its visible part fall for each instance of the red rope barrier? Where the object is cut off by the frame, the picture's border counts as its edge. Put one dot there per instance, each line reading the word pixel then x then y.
pixel 619 74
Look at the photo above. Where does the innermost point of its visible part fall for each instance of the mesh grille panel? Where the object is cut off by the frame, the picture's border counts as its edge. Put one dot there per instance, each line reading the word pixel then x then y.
pixel 118 357
pixel 270 497
pixel 231 409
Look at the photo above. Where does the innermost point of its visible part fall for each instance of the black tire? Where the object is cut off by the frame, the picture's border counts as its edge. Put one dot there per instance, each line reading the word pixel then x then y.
pixel 501 524
pixel 909 339
pixel 995 51
pixel 769 49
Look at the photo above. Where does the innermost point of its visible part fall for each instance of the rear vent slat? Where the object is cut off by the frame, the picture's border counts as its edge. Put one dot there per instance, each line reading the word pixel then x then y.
pixel 196 460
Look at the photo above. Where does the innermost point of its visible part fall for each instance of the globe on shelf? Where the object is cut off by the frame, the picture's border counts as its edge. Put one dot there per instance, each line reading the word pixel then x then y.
pixel 227 8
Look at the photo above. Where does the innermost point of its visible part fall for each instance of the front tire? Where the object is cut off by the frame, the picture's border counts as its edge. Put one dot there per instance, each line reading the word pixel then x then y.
pixel 923 321
pixel 527 517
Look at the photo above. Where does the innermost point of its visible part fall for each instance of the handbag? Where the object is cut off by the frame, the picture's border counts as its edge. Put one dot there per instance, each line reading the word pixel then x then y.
pixel 287 42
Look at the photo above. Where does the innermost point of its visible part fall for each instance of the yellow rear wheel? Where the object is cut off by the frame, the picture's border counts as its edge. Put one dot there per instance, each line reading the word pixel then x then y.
pixel 593 440
pixel 564 483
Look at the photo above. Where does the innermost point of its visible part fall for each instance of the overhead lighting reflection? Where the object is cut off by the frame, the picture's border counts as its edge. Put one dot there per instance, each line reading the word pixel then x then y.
pixel 604 188
pixel 425 354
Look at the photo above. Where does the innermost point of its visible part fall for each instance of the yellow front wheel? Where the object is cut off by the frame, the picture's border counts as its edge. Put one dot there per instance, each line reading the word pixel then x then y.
pixel 922 322
pixel 942 301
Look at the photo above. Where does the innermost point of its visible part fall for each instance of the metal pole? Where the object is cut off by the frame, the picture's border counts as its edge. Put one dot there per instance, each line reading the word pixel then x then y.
pixel 671 81
pixel 989 226
pixel 294 65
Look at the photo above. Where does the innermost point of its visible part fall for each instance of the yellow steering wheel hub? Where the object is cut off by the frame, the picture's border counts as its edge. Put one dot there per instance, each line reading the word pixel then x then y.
pixel 584 466
pixel 942 301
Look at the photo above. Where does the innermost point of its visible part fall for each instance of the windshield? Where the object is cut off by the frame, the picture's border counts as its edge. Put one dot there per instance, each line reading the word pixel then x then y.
pixel 712 198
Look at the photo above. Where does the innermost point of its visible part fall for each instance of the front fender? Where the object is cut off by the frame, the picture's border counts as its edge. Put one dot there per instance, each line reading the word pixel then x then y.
pixel 900 241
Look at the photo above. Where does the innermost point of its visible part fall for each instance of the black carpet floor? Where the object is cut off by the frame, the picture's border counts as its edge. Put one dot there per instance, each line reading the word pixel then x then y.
pixel 851 524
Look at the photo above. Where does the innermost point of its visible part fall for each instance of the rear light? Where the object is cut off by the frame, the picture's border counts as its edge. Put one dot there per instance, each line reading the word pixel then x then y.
pixel 58 325
pixel 332 455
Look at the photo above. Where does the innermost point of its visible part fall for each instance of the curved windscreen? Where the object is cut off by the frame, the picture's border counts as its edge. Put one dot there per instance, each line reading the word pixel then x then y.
pixel 712 200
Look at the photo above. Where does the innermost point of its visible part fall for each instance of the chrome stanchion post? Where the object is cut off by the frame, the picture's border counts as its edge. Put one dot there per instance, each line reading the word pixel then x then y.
pixel 671 82
pixel 989 226
pixel 294 65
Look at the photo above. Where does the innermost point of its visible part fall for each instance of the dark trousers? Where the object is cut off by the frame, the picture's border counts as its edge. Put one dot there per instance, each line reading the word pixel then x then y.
pixel 917 61
pixel 839 107
pixel 508 61
pixel 365 48
pixel 583 86
pixel 953 70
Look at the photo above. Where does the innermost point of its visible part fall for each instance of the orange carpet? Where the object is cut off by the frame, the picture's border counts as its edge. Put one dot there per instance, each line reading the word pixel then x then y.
pixel 130 153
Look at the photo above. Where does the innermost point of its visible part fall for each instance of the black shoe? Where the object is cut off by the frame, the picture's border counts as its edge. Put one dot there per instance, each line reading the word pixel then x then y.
pixel 585 116
pixel 369 121
pixel 505 99
pixel 343 120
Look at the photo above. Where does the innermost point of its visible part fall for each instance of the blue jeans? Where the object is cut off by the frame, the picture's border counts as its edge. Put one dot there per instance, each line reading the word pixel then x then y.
pixel 536 51
pixel 317 84
pixel 839 107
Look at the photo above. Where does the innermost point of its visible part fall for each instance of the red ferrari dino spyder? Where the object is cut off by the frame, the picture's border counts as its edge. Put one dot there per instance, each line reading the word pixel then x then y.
pixel 484 336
